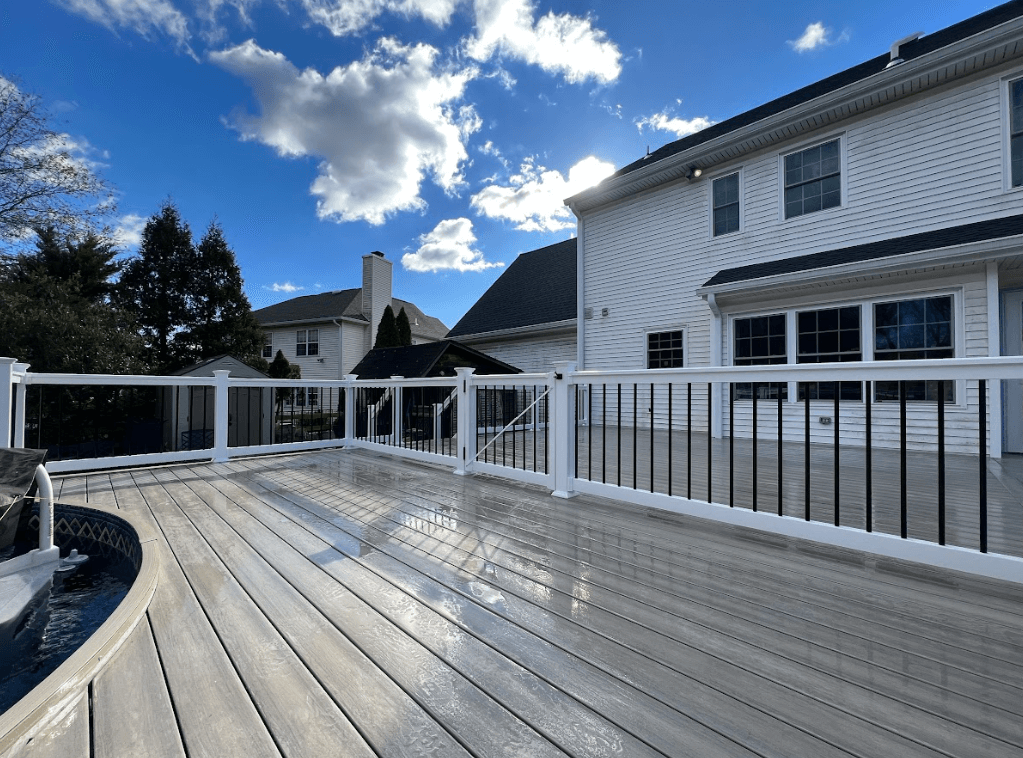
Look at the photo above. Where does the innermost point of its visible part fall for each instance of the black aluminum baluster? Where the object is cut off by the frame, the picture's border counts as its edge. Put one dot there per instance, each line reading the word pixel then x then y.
pixel 731 445
pixel 941 462
pixel 635 434
pixel 781 427
pixel 903 511
pixel 982 389
pixel 753 386
pixel 710 440
pixel 838 473
pixel 619 435
pixel 806 451
pixel 689 441
pixel 670 430
pixel 651 436
pixel 869 463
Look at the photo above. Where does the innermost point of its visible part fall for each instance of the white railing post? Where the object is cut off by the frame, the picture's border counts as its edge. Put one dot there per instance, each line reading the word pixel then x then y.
pixel 350 409
pixel 396 419
pixel 466 433
pixel 220 416
pixel 19 406
pixel 564 430
pixel 6 399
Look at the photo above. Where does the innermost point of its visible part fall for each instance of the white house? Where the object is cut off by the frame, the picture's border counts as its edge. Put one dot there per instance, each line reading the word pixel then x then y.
pixel 329 333
pixel 527 317
pixel 876 214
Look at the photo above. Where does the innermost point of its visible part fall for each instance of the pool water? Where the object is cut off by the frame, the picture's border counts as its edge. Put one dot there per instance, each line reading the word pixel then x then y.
pixel 74 608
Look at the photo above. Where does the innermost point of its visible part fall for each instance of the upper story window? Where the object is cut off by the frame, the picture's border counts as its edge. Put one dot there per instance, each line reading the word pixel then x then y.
pixel 268 345
pixel 760 340
pixel 665 350
pixel 813 179
pixel 1016 130
pixel 307 342
pixel 912 330
pixel 726 204
pixel 829 335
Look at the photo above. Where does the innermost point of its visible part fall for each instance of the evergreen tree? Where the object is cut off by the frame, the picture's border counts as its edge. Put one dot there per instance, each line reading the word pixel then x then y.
pixel 221 317
pixel 404 328
pixel 387 332
pixel 55 315
pixel 155 285
pixel 280 368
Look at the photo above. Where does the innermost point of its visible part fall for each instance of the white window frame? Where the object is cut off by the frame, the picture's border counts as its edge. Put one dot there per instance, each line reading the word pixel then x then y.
pixel 742 201
pixel 304 342
pixel 1005 91
pixel 268 342
pixel 842 138
pixel 866 303
pixel 661 330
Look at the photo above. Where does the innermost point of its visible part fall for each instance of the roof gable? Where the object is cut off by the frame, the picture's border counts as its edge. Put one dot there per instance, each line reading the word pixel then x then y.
pixel 539 287
pixel 426 360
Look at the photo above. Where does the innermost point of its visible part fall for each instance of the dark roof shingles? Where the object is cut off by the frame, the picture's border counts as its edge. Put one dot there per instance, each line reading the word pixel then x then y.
pixel 419 360
pixel 539 287
pixel 979 231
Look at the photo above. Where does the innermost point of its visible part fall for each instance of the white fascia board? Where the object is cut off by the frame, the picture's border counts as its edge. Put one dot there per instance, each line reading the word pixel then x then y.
pixel 548 328
pixel 316 320
pixel 673 167
pixel 972 252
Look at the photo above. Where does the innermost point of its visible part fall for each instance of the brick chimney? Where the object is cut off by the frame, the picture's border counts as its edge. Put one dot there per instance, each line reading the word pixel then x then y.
pixel 376 290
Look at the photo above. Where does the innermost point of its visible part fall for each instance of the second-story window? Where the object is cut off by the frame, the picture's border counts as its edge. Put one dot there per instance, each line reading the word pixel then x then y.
pixel 1016 130
pixel 307 342
pixel 813 179
pixel 726 204
pixel 268 345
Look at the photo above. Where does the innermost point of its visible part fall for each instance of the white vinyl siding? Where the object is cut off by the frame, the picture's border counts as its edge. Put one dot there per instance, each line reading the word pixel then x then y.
pixel 537 355
pixel 931 163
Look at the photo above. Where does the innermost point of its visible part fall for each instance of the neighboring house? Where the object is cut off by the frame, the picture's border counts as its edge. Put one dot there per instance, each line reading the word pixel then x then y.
pixel 329 333
pixel 876 214
pixel 528 316
pixel 249 409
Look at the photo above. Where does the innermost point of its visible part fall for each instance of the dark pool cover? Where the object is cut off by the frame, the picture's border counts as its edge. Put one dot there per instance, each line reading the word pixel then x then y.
pixel 17 472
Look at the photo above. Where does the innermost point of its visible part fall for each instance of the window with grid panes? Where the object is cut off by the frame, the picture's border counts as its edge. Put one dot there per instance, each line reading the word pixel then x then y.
pixel 759 340
pixel 913 330
pixel 307 342
pixel 268 345
pixel 1016 131
pixel 830 335
pixel 664 350
pixel 726 204
pixel 813 179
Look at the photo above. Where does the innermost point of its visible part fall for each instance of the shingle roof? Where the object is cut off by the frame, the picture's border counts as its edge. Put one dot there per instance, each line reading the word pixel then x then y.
pixel 907 52
pixel 347 303
pixel 325 305
pixel 430 359
pixel 979 231
pixel 539 287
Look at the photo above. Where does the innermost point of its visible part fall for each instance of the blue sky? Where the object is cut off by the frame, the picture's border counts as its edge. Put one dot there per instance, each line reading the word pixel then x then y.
pixel 443 132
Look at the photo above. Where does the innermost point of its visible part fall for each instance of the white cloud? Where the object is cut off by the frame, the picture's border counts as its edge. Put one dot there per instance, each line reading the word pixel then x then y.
pixel 816 35
pixel 666 122
pixel 141 16
pixel 567 45
pixel 343 17
pixel 448 247
pixel 128 231
pixel 534 199
pixel 285 287
pixel 380 125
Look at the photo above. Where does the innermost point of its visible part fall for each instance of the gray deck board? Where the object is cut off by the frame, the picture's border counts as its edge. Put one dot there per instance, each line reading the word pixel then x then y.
pixel 68 737
pixel 311 601
pixel 132 714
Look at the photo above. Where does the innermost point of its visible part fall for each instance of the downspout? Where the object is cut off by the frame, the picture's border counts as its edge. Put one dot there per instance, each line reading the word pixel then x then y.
pixel 717 420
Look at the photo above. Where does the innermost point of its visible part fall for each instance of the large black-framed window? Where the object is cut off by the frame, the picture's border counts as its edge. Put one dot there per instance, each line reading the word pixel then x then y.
pixel 307 342
pixel 758 341
pixel 665 349
pixel 1016 131
pixel 914 329
pixel 726 204
pixel 813 179
pixel 268 345
pixel 829 335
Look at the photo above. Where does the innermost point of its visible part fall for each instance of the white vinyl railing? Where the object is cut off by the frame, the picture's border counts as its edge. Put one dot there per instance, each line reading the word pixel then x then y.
pixel 677 439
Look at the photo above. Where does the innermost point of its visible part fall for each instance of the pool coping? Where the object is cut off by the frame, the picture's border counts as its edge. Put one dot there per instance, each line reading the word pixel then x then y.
pixel 52 696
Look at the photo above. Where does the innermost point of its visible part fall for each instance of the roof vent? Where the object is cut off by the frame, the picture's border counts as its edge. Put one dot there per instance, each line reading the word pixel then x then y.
pixel 378 253
pixel 896 60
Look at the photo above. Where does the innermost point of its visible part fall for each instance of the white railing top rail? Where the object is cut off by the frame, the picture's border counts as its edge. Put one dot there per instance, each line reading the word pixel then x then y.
pixel 1002 367
pixel 511 380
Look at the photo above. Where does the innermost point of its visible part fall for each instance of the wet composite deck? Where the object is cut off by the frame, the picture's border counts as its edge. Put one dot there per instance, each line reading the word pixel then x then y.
pixel 344 603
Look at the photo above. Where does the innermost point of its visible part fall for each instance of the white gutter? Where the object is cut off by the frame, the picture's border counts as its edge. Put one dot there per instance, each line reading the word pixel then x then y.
pixel 971 252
